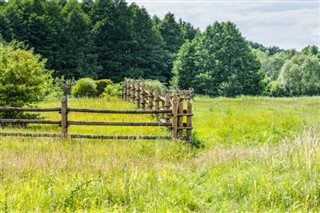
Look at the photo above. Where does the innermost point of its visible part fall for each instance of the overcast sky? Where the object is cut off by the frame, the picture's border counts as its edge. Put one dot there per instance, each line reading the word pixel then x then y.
pixel 283 23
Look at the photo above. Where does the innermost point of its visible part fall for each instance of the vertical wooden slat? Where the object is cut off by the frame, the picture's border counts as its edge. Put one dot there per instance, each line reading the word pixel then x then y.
pixel 180 118
pixel 156 103
pixel 189 121
pixel 64 117
pixel 127 90
pixel 150 99
pixel 133 93
pixel 124 91
pixel 142 96
pixel 137 95
pixel 167 105
pixel 175 103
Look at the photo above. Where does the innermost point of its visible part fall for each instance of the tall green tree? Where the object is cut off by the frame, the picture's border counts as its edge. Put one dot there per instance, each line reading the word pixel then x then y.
pixel 111 21
pixel 80 59
pixel 224 63
pixel 300 76
pixel 149 59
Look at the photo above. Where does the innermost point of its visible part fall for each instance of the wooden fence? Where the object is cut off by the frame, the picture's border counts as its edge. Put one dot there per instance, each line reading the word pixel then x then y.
pixel 172 109
pixel 177 103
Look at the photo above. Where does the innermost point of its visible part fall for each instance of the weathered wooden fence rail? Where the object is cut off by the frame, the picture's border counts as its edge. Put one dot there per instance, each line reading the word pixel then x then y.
pixel 172 109
pixel 176 106
pixel 64 123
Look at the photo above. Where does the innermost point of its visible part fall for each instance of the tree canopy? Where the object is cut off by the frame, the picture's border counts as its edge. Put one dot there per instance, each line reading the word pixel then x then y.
pixel 218 62
pixel 111 39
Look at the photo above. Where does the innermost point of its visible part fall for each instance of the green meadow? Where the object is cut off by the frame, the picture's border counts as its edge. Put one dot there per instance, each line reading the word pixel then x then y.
pixel 249 154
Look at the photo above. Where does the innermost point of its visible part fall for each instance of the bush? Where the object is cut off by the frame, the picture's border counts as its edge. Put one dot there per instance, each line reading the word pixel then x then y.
pixel 23 77
pixel 84 87
pixel 101 85
pixel 113 90
pixel 154 85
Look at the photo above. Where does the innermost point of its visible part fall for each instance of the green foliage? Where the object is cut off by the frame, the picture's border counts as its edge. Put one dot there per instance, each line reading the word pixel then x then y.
pixel 154 85
pixel 301 76
pixel 23 76
pixel 250 162
pixel 65 85
pixel 113 90
pixel 219 62
pixel 84 87
pixel 101 85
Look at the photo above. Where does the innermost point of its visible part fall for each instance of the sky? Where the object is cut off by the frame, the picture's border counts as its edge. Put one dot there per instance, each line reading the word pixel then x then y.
pixel 283 23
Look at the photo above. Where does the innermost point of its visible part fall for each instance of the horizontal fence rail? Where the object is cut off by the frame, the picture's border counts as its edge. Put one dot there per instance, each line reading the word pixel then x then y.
pixel 64 123
pixel 175 106
pixel 172 109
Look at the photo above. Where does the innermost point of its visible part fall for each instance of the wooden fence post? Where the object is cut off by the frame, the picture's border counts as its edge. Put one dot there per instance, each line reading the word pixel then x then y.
pixel 150 99
pixel 133 92
pixel 127 90
pixel 180 116
pixel 156 103
pixel 124 91
pixel 137 95
pixel 175 103
pixel 142 97
pixel 167 105
pixel 64 117
pixel 189 121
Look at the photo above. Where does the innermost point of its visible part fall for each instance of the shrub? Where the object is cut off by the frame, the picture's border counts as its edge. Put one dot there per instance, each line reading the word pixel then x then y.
pixel 23 77
pixel 113 90
pixel 101 85
pixel 84 87
pixel 154 85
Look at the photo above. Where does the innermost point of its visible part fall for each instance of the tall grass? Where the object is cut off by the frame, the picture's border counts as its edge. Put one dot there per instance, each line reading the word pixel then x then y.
pixel 225 175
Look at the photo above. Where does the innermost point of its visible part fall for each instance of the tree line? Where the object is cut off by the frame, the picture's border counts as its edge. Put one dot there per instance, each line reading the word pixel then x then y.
pixel 97 39
pixel 111 39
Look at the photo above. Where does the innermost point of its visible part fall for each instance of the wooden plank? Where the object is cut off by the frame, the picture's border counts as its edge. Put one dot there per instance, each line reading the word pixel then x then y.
pixel 142 97
pixel 167 106
pixel 119 111
pixel 64 117
pixel 185 114
pixel 156 103
pixel 188 128
pixel 132 137
pixel 175 117
pixel 97 123
pixel 27 134
pixel 29 121
pixel 162 98
pixel 138 98
pixel 128 91
pixel 189 121
pixel 180 118
pixel 22 109
pixel 150 99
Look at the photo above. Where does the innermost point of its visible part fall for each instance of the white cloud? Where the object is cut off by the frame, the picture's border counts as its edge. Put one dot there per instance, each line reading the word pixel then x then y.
pixel 288 24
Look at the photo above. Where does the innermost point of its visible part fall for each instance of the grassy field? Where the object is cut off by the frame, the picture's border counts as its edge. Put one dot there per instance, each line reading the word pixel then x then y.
pixel 250 154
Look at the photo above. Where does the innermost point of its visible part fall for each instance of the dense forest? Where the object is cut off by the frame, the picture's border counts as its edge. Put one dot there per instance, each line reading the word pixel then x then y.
pixel 111 39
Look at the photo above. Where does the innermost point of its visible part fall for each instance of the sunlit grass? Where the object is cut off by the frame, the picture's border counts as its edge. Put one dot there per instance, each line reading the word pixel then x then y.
pixel 252 121
pixel 258 169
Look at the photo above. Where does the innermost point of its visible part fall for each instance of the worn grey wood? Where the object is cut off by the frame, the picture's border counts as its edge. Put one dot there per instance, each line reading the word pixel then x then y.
pixel 22 109
pixel 97 123
pixel 64 117
pixel 28 121
pixel 119 111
